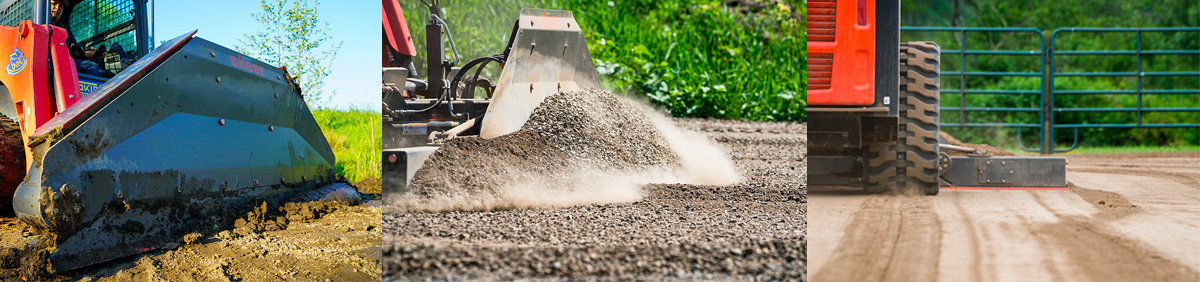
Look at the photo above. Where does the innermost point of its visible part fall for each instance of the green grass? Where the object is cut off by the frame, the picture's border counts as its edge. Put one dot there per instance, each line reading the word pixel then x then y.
pixel 698 58
pixel 354 136
pixel 1136 149
pixel 693 58
pixel 1085 150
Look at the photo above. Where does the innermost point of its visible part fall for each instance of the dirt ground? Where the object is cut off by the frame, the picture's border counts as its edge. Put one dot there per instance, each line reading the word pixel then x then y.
pixel 1126 217
pixel 750 230
pixel 319 242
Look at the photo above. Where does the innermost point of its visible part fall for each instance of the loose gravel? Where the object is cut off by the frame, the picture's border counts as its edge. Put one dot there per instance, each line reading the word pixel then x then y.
pixel 580 147
pixel 751 229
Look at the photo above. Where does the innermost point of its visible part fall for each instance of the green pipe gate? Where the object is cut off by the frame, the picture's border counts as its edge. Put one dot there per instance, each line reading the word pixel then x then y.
pixel 1041 110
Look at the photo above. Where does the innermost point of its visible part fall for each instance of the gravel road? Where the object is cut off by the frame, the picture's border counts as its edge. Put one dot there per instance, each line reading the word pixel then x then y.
pixel 752 229
pixel 1126 217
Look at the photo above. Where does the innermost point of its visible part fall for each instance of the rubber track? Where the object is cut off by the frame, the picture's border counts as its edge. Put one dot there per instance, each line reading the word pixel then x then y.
pixel 917 150
pixel 880 169
pixel 12 160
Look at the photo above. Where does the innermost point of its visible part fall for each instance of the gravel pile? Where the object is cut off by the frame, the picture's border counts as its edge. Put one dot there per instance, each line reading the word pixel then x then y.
pixel 578 147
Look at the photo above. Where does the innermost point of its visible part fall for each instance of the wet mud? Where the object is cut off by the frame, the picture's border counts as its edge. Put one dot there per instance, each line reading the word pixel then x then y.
pixel 268 240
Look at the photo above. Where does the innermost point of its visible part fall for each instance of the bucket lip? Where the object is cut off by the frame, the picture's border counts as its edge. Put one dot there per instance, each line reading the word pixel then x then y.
pixel 537 12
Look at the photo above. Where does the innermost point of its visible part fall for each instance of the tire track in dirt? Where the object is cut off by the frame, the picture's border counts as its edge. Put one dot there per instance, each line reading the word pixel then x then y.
pixel 1102 256
pixel 973 240
pixel 1149 201
pixel 890 238
pixel 1139 222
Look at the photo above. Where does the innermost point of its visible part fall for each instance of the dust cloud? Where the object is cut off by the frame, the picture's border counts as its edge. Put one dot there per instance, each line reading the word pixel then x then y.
pixel 578 148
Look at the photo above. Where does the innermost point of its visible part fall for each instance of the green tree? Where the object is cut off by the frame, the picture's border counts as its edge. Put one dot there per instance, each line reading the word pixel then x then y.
pixel 296 39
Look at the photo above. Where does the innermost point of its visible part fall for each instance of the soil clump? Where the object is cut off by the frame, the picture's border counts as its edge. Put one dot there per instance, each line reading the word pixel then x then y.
pixel 267 239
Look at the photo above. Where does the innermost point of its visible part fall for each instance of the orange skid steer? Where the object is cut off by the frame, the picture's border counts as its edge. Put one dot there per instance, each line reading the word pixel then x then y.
pixel 873 110
pixel 187 132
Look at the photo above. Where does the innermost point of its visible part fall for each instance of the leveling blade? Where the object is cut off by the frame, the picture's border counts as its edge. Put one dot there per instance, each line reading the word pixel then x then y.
pixel 549 55
pixel 1000 173
pixel 190 131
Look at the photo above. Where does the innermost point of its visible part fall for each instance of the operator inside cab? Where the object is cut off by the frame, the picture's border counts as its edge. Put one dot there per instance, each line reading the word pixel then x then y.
pixel 84 63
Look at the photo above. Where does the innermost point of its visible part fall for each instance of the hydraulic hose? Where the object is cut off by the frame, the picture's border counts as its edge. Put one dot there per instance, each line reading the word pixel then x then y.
pixel 453 85
pixel 458 77
pixel 448 35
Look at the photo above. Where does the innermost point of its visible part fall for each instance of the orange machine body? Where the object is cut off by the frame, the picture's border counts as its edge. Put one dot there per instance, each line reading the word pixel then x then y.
pixel 841 52
pixel 39 74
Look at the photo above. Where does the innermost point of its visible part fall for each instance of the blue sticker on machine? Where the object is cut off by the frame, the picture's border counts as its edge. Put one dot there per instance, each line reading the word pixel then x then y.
pixel 16 62
pixel 87 87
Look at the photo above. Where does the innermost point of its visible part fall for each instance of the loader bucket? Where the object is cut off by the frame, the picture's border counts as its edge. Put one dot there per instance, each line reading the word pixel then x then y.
pixel 190 131
pixel 549 55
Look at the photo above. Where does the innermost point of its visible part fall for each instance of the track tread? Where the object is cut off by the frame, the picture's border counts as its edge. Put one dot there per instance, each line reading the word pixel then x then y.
pixel 880 171
pixel 919 94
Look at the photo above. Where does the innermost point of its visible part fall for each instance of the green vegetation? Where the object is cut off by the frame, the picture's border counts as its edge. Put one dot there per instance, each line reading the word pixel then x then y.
pixel 1136 149
pixel 694 58
pixel 354 136
pixel 1048 16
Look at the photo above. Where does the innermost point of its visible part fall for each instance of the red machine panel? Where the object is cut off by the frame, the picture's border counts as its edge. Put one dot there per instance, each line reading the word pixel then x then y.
pixel 841 52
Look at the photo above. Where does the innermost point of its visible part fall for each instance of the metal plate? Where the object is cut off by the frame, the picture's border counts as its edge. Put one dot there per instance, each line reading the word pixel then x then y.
pixel 399 166
pixel 549 55
pixel 1006 172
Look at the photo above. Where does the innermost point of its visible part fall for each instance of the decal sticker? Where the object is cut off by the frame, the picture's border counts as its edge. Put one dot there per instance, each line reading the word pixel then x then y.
pixel 245 64
pixel 87 87
pixel 16 62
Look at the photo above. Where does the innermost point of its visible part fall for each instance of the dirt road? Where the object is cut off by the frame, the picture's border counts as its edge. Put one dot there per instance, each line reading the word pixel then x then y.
pixel 322 242
pixel 753 229
pixel 1127 217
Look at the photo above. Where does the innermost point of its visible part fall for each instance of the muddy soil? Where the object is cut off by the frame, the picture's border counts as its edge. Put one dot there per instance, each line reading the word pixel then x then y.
pixel 754 229
pixel 1126 217
pixel 267 241
pixel 370 185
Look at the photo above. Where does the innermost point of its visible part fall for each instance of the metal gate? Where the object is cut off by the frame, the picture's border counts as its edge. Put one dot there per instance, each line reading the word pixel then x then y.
pixel 1028 90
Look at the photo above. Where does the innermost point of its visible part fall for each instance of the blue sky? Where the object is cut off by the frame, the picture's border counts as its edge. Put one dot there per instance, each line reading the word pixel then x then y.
pixel 356 70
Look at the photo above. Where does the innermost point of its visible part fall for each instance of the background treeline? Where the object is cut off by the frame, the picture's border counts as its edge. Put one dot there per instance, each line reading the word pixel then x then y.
pixel 730 59
pixel 1048 16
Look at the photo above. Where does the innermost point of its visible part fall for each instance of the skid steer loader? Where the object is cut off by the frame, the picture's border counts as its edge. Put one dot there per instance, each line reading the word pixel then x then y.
pixel 187 131
pixel 546 54
pixel 873 111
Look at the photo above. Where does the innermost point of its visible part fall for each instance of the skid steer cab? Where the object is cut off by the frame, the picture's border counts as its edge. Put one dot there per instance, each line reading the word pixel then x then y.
pixel 40 79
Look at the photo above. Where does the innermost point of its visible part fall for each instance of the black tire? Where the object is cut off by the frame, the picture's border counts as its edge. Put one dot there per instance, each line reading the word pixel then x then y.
pixel 12 160
pixel 917 149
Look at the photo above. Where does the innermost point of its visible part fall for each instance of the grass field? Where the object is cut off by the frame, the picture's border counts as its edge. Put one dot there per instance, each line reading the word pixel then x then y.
pixel 355 137
pixel 1085 150
pixel 693 58
pixel 1136 149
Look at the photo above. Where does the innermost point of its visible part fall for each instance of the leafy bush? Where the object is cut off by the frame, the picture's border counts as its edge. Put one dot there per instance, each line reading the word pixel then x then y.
pixel 694 58
pixel 1048 17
